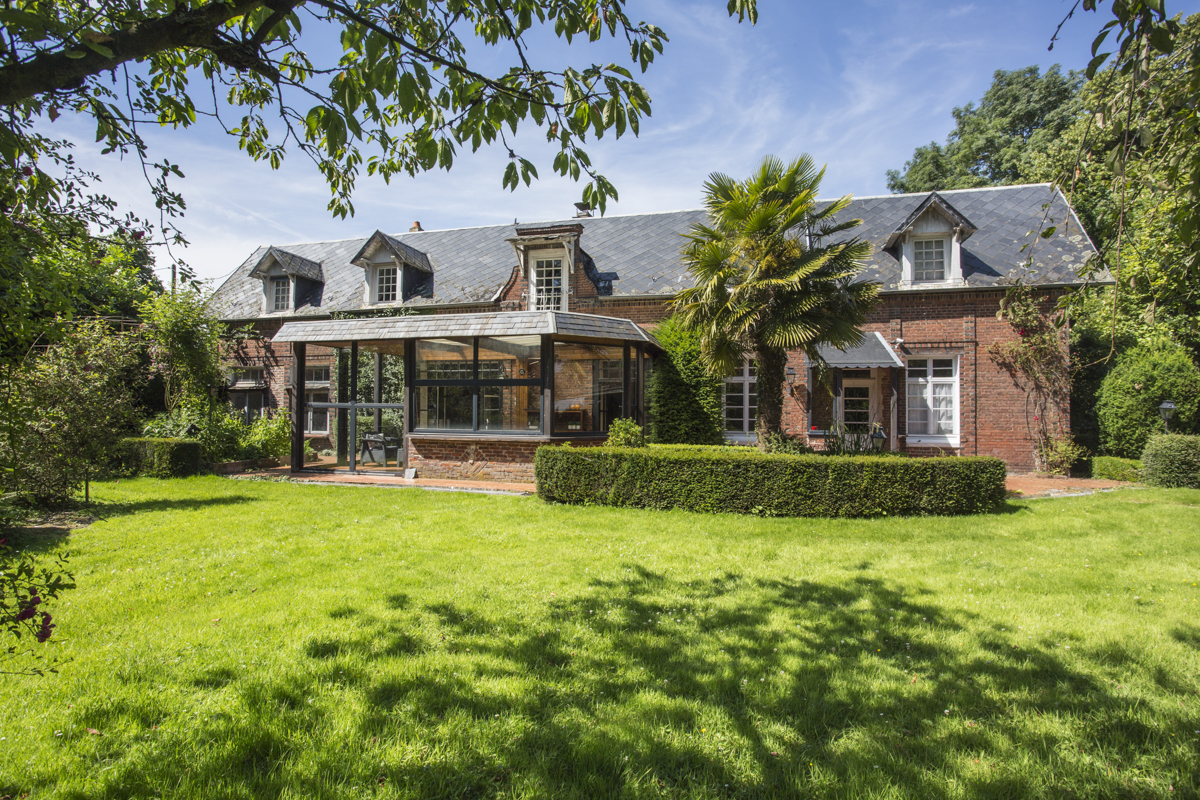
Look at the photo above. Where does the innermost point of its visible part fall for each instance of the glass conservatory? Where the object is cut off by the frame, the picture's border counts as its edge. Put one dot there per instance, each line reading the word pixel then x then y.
pixel 513 378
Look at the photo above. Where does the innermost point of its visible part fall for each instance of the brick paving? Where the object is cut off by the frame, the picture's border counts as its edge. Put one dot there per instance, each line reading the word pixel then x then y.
pixel 1033 485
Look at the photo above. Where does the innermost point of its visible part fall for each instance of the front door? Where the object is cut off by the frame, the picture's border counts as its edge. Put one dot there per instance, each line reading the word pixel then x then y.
pixel 859 409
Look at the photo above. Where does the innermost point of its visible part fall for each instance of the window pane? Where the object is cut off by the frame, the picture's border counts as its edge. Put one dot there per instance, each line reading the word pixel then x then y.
pixel 943 409
pixel 316 374
pixel 918 409
pixel 943 368
pixel 917 368
pixel 548 284
pixel 443 407
pixel 387 285
pixel 317 418
pixel 510 357
pixel 735 407
pixel 281 293
pixel 587 386
pixel 929 260
pixel 510 408
pixel 445 359
pixel 856 408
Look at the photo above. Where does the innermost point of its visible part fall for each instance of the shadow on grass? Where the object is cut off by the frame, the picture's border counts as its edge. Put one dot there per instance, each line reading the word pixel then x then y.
pixel 731 686
pixel 108 510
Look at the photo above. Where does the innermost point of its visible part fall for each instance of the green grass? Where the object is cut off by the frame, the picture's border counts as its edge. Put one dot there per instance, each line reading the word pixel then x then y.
pixel 248 640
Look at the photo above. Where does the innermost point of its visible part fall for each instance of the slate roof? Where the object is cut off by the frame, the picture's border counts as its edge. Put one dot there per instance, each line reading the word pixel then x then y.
pixel 409 255
pixel 873 352
pixel 290 263
pixel 639 254
pixel 340 332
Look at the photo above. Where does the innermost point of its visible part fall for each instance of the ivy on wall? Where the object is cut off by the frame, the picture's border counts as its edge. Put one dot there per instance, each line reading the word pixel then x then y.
pixel 684 399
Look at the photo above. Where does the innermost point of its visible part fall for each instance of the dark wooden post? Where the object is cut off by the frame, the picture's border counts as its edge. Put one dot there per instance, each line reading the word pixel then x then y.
pixel 409 412
pixel 626 384
pixel 547 385
pixel 352 444
pixel 342 417
pixel 895 443
pixel 298 359
pixel 379 392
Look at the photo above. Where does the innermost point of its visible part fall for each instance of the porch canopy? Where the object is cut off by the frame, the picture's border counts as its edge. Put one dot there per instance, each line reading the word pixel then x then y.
pixel 484 376
pixel 873 352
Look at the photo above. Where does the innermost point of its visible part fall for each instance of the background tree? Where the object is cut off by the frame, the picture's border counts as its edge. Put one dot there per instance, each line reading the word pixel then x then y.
pixel 78 402
pixel 185 348
pixel 774 271
pixel 402 96
pixel 1020 114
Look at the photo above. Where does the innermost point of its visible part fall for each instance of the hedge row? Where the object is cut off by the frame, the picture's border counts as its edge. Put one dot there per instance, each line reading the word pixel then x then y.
pixel 160 458
pixel 1111 468
pixel 744 481
pixel 1172 460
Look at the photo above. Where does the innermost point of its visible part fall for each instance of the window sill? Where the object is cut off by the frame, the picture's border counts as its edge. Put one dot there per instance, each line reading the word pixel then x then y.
pixel 934 441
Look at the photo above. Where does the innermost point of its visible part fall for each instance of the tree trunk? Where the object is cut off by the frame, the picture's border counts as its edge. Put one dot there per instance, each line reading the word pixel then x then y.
pixel 770 376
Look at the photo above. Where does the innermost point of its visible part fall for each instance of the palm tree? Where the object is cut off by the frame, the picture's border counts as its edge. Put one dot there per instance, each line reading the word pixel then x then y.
pixel 774 271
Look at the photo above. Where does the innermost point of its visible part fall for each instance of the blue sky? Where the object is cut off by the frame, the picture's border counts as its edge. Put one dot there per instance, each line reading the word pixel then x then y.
pixel 857 84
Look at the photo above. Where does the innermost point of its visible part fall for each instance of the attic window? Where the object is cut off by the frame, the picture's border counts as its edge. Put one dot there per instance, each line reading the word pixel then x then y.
pixel 929 260
pixel 548 285
pixel 281 294
pixel 385 285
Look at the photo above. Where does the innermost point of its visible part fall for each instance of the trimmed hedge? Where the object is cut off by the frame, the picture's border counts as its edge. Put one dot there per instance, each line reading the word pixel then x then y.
pixel 1172 460
pixel 160 458
pixel 1111 468
pixel 744 481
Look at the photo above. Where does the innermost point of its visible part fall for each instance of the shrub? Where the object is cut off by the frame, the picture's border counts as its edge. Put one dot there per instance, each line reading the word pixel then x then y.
pixel 684 399
pixel 625 433
pixel 269 437
pixel 1172 460
pixel 1111 468
pixel 1127 405
pixel 783 444
pixel 742 480
pixel 1058 454
pixel 160 458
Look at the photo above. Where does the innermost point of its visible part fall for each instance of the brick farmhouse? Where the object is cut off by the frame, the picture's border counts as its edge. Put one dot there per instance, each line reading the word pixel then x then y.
pixel 518 335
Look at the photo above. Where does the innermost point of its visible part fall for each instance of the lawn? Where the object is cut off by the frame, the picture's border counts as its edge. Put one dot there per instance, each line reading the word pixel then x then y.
pixel 250 640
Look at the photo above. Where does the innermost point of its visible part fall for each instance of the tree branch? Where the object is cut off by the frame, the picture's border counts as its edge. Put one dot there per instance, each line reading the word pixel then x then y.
pixel 56 70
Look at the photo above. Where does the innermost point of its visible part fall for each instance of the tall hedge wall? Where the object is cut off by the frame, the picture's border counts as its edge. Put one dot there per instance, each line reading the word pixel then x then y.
pixel 685 401
pixel 744 481
pixel 160 458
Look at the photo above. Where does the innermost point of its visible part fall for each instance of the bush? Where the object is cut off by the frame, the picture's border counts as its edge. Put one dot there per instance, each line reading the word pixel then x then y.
pixel 744 481
pixel 269 437
pixel 684 399
pixel 160 458
pixel 783 444
pixel 625 433
pixel 1127 405
pixel 1111 468
pixel 1172 460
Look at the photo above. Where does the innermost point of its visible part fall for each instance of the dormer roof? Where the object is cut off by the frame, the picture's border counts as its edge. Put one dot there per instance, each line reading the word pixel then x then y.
pixel 963 226
pixel 399 250
pixel 289 264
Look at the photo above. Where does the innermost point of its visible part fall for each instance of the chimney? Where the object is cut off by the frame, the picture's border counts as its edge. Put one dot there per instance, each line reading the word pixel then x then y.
pixel 582 210
pixel 416 227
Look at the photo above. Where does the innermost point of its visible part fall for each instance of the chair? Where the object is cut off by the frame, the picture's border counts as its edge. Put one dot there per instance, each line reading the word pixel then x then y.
pixel 377 449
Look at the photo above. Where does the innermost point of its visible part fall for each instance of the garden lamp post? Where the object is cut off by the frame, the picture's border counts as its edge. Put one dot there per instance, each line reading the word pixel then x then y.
pixel 878 438
pixel 1166 411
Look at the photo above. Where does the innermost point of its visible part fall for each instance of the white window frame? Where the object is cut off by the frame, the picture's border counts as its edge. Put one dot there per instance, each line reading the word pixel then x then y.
pixel 380 272
pixel 308 410
pixel 543 294
pixel 275 281
pixel 926 384
pixel 946 257
pixel 746 379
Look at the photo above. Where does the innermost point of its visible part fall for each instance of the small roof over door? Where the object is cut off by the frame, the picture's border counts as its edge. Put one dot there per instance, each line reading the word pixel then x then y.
pixel 873 352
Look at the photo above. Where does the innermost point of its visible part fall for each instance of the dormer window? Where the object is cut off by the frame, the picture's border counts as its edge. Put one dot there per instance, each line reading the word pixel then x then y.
pixel 929 260
pixel 928 245
pixel 548 285
pixel 281 294
pixel 385 285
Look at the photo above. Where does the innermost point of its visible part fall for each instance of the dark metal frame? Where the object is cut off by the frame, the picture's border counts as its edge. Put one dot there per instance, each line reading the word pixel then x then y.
pixel 632 396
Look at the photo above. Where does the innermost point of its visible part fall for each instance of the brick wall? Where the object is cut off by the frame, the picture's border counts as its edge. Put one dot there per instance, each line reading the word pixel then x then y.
pixel 995 418
pixel 481 460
